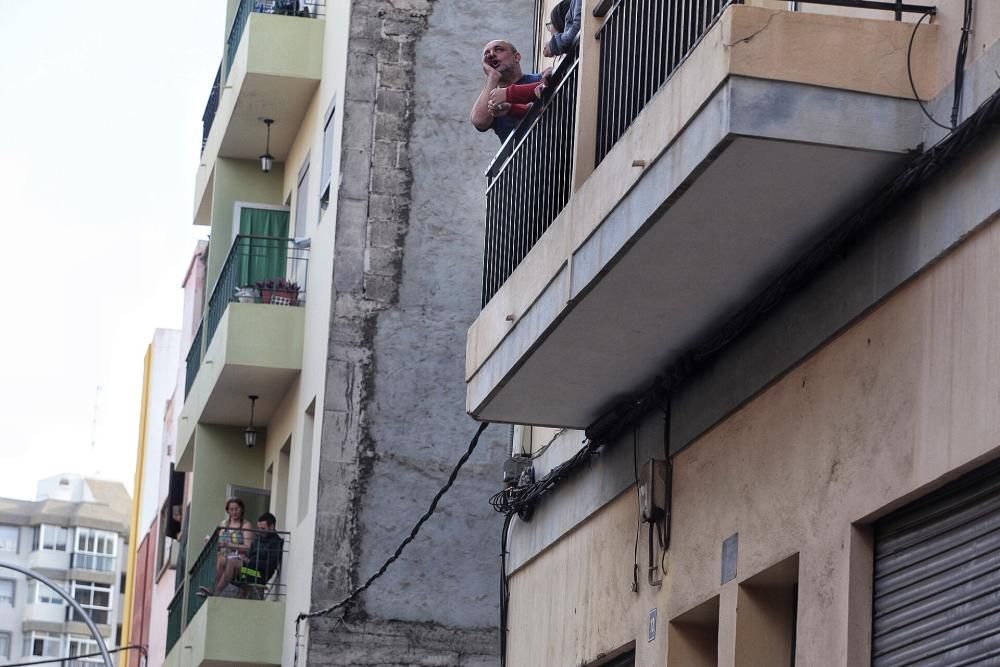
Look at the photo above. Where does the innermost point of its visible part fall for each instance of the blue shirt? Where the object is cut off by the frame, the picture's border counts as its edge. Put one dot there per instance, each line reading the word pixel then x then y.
pixel 504 125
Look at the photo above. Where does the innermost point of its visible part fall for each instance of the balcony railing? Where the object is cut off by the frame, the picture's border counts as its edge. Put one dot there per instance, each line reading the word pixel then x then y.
pixel 174 615
pixel 95 562
pixel 641 44
pixel 259 269
pixel 208 117
pixel 259 577
pixel 301 8
pixel 193 362
pixel 531 178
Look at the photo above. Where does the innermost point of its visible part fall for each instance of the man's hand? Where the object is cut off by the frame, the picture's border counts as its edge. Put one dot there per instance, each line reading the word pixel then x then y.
pixel 498 109
pixel 546 51
pixel 492 76
pixel 498 95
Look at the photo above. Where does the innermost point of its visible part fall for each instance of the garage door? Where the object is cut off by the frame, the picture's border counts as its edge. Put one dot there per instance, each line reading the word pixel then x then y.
pixel 937 577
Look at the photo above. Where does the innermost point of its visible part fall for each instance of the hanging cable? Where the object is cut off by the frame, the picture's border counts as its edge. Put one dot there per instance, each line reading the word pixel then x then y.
pixel 402 545
pixel 909 73
pixel 638 518
pixel 960 58
pixel 504 589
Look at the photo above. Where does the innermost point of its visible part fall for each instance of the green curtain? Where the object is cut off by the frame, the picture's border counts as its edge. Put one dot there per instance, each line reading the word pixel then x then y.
pixel 261 259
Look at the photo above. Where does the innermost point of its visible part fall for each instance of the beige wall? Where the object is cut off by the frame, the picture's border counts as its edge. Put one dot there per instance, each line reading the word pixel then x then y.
pixel 897 404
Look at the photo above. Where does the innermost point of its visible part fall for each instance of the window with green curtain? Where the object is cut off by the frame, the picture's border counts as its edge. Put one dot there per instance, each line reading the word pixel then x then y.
pixel 261 258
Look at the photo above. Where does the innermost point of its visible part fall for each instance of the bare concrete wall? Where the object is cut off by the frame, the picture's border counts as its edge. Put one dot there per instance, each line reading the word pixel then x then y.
pixel 406 277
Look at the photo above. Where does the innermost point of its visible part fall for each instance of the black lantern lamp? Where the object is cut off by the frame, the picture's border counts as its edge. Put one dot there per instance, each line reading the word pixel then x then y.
pixel 266 160
pixel 250 433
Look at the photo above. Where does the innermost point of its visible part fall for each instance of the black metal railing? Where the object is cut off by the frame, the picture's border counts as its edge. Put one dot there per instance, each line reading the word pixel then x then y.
pixel 531 178
pixel 193 362
pixel 259 269
pixel 300 8
pixel 95 562
pixel 208 117
pixel 642 42
pixel 174 616
pixel 258 576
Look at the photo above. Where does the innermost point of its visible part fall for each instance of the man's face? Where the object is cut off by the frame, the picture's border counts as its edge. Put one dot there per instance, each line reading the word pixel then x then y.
pixel 262 525
pixel 500 55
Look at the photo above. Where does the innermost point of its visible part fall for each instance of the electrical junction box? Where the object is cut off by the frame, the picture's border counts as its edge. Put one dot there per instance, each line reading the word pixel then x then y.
pixel 516 471
pixel 654 490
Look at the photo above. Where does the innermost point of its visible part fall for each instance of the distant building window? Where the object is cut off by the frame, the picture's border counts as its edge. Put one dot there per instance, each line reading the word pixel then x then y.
pixel 81 646
pixel 95 600
pixel 4 645
pixel 326 168
pixel 49 538
pixel 8 538
pixel 39 593
pixel 42 644
pixel 6 592
pixel 95 550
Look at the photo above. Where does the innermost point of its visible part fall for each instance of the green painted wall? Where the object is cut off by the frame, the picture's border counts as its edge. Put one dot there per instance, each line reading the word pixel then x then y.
pixel 237 180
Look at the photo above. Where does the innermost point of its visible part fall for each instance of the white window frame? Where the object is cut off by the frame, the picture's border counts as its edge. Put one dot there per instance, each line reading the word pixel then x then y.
pixel 90 607
pixel 79 645
pixel 5 647
pixel 47 639
pixel 326 161
pixel 47 531
pixel 5 542
pixel 97 547
pixel 39 593
pixel 13 592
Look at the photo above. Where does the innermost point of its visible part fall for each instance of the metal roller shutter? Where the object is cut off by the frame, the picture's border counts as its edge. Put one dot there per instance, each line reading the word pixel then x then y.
pixel 937 577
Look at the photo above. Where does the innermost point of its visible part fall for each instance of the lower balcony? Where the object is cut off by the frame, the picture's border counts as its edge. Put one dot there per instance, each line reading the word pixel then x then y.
pixel 716 168
pixel 250 340
pixel 244 623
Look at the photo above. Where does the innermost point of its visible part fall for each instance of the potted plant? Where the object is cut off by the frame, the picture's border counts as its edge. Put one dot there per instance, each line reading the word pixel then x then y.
pixel 246 294
pixel 279 291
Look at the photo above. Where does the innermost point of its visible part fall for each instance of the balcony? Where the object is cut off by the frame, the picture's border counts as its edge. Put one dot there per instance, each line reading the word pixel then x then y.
pixel 242 625
pixel 713 143
pixel 271 68
pixel 250 340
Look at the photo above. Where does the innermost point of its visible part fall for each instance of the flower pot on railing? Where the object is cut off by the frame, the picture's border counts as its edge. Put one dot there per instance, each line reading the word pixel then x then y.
pixel 279 292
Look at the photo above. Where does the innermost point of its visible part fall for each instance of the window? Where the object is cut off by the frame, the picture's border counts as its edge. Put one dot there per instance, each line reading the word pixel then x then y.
pixel 95 600
pixel 95 550
pixel 327 169
pixel 4 645
pixel 49 538
pixel 80 646
pixel 302 201
pixel 39 593
pixel 42 644
pixel 8 538
pixel 6 592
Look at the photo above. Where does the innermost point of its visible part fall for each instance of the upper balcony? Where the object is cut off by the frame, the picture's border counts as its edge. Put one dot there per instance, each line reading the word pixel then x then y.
pixel 271 68
pixel 241 625
pixel 250 340
pixel 690 153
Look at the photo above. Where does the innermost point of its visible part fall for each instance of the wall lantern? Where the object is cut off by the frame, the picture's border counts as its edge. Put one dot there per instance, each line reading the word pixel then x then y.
pixel 250 433
pixel 266 160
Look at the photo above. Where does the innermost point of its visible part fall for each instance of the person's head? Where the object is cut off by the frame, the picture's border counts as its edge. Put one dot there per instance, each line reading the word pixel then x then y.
pixel 504 58
pixel 266 521
pixel 235 509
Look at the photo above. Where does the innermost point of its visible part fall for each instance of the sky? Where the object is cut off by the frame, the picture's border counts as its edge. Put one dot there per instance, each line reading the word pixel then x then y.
pixel 100 135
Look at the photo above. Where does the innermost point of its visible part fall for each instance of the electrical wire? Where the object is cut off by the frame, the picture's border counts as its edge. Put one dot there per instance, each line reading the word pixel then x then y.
pixel 402 545
pixel 909 73
pixel 960 58
pixel 504 589
pixel 638 517
pixel 134 647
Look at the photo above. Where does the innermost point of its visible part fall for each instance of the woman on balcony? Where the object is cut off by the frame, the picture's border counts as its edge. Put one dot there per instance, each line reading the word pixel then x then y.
pixel 235 536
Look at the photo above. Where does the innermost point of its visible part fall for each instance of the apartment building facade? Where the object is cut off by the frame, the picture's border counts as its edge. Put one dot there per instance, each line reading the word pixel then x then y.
pixel 750 333
pixel 323 381
pixel 75 533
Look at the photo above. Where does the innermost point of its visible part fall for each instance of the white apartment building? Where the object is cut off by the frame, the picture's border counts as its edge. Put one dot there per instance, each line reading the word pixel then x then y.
pixel 75 534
